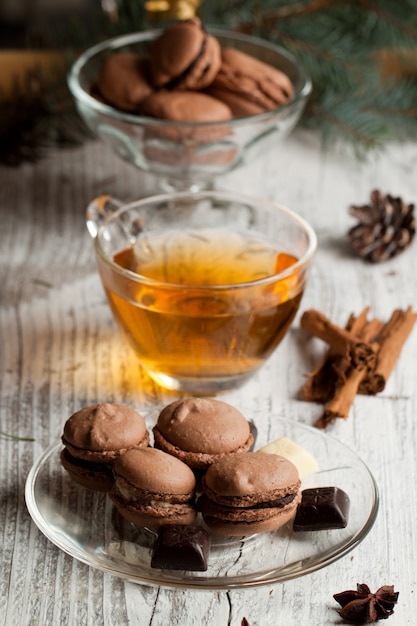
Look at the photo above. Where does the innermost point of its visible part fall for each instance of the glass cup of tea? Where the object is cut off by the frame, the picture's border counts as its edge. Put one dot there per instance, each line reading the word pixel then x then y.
pixel 203 285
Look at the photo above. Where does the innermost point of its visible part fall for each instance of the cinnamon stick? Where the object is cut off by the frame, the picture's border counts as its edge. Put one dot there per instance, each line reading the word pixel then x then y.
pixel 340 340
pixel 390 343
pixel 347 368
pixel 322 383
pixel 330 374
pixel 340 405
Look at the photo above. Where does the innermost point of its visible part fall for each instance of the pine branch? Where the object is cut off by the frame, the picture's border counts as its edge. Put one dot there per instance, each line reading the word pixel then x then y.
pixel 296 9
pixel 342 44
pixel 337 43
pixel 45 117
pixel 389 16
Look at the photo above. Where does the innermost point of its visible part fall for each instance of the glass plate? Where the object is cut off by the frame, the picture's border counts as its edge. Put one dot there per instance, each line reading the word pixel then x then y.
pixel 85 525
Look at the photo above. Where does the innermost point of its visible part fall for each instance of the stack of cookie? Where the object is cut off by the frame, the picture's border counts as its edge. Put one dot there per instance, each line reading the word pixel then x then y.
pixel 187 77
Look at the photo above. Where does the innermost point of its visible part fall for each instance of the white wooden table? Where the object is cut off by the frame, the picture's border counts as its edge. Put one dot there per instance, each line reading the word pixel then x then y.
pixel 60 350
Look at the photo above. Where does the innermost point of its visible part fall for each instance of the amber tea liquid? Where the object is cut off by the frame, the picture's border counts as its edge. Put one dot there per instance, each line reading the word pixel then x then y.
pixel 184 324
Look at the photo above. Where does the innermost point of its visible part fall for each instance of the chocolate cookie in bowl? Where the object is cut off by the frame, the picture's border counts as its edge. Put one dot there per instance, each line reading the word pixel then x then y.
pixel 185 56
pixel 94 437
pixel 248 86
pixel 124 81
pixel 189 152
pixel 200 120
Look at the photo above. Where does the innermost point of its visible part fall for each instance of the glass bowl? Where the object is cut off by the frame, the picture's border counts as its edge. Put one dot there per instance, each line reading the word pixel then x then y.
pixel 186 156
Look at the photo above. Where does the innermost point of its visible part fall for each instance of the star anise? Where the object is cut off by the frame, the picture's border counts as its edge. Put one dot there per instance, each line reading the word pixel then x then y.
pixel 386 227
pixel 363 607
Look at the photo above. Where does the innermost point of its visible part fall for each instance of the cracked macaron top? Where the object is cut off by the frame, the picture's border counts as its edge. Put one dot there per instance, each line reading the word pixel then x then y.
pixel 247 479
pixel 249 493
pixel 200 430
pixel 101 432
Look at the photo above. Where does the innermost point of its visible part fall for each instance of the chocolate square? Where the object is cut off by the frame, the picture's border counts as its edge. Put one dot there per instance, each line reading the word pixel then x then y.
pixel 322 508
pixel 181 547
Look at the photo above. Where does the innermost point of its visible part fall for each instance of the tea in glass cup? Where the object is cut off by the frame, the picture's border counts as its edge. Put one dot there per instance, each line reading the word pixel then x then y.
pixel 203 285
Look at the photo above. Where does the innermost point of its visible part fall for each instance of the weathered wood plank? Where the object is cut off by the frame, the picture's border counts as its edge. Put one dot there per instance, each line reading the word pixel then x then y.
pixel 60 350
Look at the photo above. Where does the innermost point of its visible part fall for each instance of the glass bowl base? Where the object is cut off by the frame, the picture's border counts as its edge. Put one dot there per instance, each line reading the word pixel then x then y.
pixel 201 386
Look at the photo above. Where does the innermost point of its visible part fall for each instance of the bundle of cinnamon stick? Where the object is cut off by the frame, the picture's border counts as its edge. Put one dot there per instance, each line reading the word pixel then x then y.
pixel 360 358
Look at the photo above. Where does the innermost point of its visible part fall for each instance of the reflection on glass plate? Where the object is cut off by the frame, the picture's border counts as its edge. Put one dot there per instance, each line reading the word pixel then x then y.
pixel 86 526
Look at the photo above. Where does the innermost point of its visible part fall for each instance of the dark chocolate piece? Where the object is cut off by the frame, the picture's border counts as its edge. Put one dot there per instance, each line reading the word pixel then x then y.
pixel 181 547
pixel 322 508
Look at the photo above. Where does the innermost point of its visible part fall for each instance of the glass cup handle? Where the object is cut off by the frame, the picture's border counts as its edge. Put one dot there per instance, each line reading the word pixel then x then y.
pixel 99 210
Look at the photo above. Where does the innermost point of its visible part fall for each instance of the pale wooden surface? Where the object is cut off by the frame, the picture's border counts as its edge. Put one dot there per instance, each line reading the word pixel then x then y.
pixel 59 350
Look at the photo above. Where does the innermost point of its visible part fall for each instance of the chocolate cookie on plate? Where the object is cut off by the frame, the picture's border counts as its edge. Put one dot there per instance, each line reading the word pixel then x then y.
pixel 153 488
pixel 199 431
pixel 249 493
pixel 94 437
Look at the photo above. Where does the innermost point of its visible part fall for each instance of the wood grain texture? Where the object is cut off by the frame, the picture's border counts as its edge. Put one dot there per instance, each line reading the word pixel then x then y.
pixel 60 350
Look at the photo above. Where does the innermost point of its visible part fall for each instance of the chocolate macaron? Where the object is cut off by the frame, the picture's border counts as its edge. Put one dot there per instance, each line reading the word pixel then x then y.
pixel 181 106
pixel 185 56
pixel 249 86
pixel 153 488
pixel 249 493
pixel 95 436
pixel 186 145
pixel 200 431
pixel 124 80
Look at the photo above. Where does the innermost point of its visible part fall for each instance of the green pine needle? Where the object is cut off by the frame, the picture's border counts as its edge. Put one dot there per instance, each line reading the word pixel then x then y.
pixel 337 42
pixel 15 437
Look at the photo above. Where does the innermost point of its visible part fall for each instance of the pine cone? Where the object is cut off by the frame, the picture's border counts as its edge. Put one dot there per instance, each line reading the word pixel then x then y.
pixel 386 227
